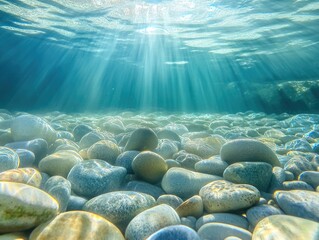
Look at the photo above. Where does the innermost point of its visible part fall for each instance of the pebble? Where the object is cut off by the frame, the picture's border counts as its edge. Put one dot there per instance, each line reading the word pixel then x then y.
pixel 227 218
pixel 187 160
pixel 257 213
pixel 76 203
pixel 257 174
pixel 142 139
pixel 104 150
pixel 125 160
pixel 60 163
pixel 149 166
pixel 151 220
pixel 300 145
pixel 291 185
pixel 77 225
pixel 26 157
pixel 119 207
pixel 299 203
pixel 23 207
pixel 277 179
pixel 29 127
pixel 91 178
pixel 166 148
pixel 90 138
pixel 224 196
pixel 191 207
pixel 80 130
pixel 286 227
pixel 9 159
pixel 310 177
pixel 14 236
pixel 220 231
pixel 170 200
pixel 59 188
pixel 213 166
pixel 297 165
pixel 185 183
pixel 172 163
pixel 248 150
pixel 203 147
pixel 28 176
pixel 189 222
pixel 174 233
pixel 168 134
pixel 144 187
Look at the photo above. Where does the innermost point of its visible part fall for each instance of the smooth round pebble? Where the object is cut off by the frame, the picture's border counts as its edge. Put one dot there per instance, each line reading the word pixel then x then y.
pixel 310 177
pixel 213 166
pixel 257 213
pixel 28 176
pixel 191 207
pixel 26 157
pixel 142 139
pixel 144 187
pixel 125 160
pixel 170 200
pixel 220 231
pixel 76 203
pixel 105 150
pixel 9 159
pixel 227 218
pixel 177 232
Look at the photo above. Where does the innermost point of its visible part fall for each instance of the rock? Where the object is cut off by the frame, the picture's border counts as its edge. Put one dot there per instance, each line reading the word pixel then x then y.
pixel 38 146
pixel 76 203
pixel 120 207
pixel 227 218
pixel 168 134
pixel 14 236
pixel 28 176
pixel 174 232
pixel 187 160
pixel 80 130
pixel 26 157
pixel 59 188
pixel 125 160
pixel 149 166
pixel 299 203
pixel 166 148
pixel 257 213
pixel 248 150
pixel 257 174
pixel 297 165
pixel 172 163
pixel 277 179
pixel 185 183
pixel 170 200
pixel 9 159
pixel 142 139
pixel 179 129
pixel 213 166
pixel 149 221
pixel 60 163
pixel 91 178
pixel 104 150
pixel 285 227
pixel 29 127
pixel 191 207
pixel 144 187
pixel 89 139
pixel 23 207
pixel 77 225
pixel 291 185
pixel 310 177
pixel 220 231
pixel 300 145
pixel 223 196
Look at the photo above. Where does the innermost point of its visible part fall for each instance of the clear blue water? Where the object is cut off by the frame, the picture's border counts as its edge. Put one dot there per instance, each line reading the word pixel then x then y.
pixel 191 56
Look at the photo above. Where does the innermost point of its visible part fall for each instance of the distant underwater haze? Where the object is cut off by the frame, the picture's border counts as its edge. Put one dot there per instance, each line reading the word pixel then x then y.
pixel 169 55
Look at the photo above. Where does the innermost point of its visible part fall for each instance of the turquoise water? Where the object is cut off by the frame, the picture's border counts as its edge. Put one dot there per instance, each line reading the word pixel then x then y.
pixel 183 56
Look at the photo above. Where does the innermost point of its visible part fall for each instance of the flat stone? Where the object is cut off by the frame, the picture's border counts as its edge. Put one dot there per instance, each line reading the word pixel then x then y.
pixel 220 231
pixel 120 207
pixel 185 183
pixel 299 203
pixel 227 218
pixel 294 185
pixel 257 174
pixel 223 196
pixel 191 207
pixel 105 150
pixel 149 221
pixel 28 176
pixel 175 232
pixel 248 150
pixel 23 207
pixel 142 139
pixel 91 178
pixel 9 159
pixel 60 163
pixel 257 213
pixel 286 227
pixel 77 225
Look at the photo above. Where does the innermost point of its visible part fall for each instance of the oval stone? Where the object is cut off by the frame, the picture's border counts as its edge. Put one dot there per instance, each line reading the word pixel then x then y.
pixel 175 232
pixel 105 150
pixel 227 218
pixel 9 159
pixel 221 231
pixel 29 176
pixel 142 139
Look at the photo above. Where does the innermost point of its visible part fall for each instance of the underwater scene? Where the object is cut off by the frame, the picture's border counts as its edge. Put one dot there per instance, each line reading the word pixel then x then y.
pixel 159 119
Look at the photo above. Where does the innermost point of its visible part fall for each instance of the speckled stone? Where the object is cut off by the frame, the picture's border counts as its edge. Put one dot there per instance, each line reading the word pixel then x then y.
pixel 144 187
pixel 191 207
pixel 185 183
pixel 60 163
pixel 9 159
pixel 149 221
pixel 299 203
pixel 120 207
pixel 286 227
pixel 248 150
pixel 257 213
pixel 310 177
pixel 149 166
pixel 104 150
pixel 29 127
pixel 77 225
pixel 28 176
pixel 59 188
pixel 213 166
pixel 170 200
pixel 277 179
pixel 227 218
pixel 297 165
pixel 257 174
pixel 26 157
pixel 220 231
pixel 174 232
pixel 23 207
pixel 294 185
pixel 91 178
pixel 223 196
pixel 125 160
pixel 142 139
